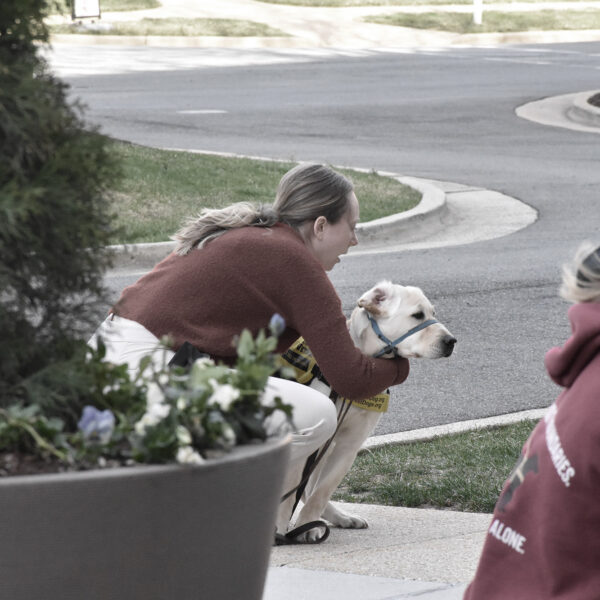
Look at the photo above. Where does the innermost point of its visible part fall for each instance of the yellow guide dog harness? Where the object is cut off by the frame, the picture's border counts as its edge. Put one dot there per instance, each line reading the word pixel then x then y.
pixel 306 369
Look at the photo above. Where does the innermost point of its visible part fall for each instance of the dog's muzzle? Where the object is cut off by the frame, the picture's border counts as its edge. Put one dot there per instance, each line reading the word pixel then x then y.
pixel 391 346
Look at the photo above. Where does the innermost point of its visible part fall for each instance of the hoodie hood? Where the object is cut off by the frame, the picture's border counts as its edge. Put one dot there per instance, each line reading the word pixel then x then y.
pixel 565 363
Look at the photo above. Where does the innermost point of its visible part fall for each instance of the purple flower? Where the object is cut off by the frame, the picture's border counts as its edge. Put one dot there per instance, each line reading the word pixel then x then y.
pixel 277 324
pixel 96 425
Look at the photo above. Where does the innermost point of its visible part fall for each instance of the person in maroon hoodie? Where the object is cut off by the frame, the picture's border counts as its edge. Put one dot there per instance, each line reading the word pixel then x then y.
pixel 544 538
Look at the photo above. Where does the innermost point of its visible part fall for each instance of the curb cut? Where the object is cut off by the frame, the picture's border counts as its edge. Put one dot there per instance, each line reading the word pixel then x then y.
pixel 431 208
pixel 431 433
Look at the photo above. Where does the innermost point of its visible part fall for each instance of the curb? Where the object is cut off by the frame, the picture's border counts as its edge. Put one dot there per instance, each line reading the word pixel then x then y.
pixel 429 211
pixel 176 41
pixel 254 42
pixel 430 433
pixel 582 111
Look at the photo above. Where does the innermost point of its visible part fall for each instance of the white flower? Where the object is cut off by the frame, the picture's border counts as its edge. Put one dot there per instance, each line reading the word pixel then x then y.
pixel 228 434
pixel 186 455
pixel 204 361
pixel 154 395
pixel 156 409
pixel 146 421
pixel 184 437
pixel 223 395
pixel 182 403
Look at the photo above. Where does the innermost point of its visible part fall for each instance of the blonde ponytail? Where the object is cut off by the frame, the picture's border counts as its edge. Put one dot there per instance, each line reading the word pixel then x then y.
pixel 213 222
pixel 305 193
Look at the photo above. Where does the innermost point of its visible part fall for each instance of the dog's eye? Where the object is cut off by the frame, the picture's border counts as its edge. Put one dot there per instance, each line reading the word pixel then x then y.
pixel 418 315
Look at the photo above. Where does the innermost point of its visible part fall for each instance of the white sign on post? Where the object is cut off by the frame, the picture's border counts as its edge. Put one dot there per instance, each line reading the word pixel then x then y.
pixel 85 8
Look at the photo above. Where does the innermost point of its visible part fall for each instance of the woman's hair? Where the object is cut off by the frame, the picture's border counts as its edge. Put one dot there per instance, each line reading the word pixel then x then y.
pixel 304 193
pixel 581 278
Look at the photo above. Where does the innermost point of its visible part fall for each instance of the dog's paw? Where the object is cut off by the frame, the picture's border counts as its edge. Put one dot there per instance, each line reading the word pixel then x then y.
pixel 352 522
pixel 313 532
pixel 336 516
pixel 315 535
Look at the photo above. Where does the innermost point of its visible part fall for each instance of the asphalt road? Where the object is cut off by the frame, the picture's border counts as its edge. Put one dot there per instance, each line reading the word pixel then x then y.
pixel 443 114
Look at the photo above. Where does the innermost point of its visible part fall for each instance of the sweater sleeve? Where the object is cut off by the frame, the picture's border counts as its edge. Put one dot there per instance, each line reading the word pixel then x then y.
pixel 313 308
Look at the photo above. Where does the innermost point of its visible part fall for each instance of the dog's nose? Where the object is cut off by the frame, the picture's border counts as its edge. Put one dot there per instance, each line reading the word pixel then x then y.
pixel 448 342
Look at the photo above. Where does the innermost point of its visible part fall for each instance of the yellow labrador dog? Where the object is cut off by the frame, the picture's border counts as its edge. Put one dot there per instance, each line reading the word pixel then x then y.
pixel 390 320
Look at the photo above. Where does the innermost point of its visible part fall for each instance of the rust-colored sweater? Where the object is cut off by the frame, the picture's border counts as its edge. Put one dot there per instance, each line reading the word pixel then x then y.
pixel 239 281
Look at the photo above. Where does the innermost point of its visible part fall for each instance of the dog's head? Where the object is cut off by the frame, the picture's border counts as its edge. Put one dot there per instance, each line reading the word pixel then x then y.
pixel 398 309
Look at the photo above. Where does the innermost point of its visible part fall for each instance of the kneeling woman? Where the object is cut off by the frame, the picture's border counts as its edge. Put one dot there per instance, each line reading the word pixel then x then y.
pixel 233 269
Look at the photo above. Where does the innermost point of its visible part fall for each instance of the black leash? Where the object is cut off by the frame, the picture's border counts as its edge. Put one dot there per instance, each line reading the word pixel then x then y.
pixel 290 537
pixel 309 467
pixel 314 459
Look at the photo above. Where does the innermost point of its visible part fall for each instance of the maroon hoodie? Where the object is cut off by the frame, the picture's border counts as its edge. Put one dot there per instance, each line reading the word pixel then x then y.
pixel 544 539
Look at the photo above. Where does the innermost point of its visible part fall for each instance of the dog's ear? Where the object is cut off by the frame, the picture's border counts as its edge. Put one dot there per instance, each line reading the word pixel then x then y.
pixel 358 325
pixel 374 301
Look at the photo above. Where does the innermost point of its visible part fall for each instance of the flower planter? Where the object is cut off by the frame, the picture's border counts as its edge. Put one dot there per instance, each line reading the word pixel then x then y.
pixel 149 532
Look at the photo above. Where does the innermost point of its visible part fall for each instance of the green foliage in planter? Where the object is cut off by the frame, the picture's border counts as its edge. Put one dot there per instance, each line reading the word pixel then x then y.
pixel 195 414
pixel 54 220
pixel 162 415
pixel 45 425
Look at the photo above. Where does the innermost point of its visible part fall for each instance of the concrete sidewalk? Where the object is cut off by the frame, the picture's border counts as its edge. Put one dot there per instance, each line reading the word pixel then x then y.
pixel 404 552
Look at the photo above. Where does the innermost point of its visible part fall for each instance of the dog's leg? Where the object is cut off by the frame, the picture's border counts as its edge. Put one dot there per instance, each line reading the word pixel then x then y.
pixel 357 426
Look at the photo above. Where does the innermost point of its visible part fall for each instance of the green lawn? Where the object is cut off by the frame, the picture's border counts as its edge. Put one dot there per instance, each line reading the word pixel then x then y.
pixel 176 27
pixel 462 472
pixel 161 189
pixel 495 21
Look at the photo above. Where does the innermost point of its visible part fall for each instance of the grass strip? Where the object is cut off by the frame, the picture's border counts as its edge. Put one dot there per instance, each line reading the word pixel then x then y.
pixel 162 188
pixel 495 21
pixel 463 472
pixel 175 27
pixel 121 5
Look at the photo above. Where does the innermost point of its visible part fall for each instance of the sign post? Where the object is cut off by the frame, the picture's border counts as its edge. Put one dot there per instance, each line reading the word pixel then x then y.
pixel 478 12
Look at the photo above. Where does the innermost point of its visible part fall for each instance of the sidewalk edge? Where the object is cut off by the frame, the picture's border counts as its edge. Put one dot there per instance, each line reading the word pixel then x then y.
pixel 429 433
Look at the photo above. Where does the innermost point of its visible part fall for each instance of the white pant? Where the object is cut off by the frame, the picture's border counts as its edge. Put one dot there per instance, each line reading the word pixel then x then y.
pixel 314 414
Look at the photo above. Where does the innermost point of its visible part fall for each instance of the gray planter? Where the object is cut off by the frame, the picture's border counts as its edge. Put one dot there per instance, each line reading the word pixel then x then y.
pixel 152 532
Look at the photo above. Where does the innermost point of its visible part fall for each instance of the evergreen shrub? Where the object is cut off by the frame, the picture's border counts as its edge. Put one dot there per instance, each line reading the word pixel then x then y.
pixel 55 176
